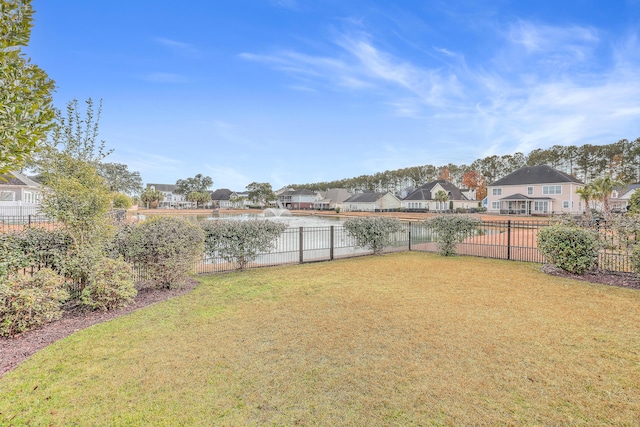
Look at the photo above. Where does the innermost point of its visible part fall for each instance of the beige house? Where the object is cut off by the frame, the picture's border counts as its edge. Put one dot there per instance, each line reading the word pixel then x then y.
pixel 371 202
pixel 535 190
pixel 332 199
pixel 423 198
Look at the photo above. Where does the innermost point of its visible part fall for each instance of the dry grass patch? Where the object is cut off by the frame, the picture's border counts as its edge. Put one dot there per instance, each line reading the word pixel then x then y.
pixel 402 339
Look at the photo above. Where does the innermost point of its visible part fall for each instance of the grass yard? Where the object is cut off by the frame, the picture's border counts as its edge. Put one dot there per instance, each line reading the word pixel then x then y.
pixel 402 339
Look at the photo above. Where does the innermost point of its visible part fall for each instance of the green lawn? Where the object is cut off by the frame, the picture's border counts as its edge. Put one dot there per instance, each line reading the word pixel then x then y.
pixel 402 339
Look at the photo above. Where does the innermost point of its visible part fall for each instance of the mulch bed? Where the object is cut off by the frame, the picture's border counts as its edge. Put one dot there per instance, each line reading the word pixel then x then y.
pixel 623 280
pixel 15 350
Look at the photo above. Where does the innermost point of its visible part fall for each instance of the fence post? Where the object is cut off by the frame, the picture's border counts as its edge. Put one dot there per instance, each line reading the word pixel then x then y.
pixel 508 239
pixel 29 220
pixel 410 224
pixel 301 245
pixel 331 242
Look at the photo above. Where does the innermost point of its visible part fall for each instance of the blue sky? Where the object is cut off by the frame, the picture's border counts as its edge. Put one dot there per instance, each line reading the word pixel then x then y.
pixel 299 91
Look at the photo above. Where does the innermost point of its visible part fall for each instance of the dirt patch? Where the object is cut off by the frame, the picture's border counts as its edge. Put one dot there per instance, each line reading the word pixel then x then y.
pixel 14 351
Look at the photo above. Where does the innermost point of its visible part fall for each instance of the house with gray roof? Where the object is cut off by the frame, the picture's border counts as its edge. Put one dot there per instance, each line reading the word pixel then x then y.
pixel 372 202
pixel 620 197
pixel 19 195
pixel 332 199
pixel 424 197
pixel 535 190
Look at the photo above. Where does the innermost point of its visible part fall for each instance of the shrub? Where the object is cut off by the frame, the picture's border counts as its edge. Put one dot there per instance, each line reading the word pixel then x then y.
pixel 33 247
pixel 451 230
pixel 28 302
pixel 240 242
pixel 12 256
pixel 110 285
pixel 635 258
pixel 165 247
pixel 573 249
pixel 120 201
pixel 374 233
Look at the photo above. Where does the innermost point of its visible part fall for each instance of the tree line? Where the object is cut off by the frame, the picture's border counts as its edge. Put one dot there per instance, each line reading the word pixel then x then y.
pixel 619 161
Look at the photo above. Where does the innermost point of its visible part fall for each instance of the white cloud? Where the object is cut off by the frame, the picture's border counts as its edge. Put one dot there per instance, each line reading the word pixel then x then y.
pixel 181 48
pixel 539 89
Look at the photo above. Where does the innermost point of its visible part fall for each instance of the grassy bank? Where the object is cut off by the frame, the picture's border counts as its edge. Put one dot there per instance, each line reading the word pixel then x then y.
pixel 402 339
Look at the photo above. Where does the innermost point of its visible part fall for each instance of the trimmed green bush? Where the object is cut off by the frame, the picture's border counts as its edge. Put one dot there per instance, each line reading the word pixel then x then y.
pixel 635 258
pixel 28 302
pixel 33 247
pixel 374 233
pixel 573 249
pixel 164 247
pixel 451 230
pixel 240 242
pixel 110 285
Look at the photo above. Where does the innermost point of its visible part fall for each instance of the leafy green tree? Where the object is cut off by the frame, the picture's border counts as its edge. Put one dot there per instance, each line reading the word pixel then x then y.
pixel 261 193
pixel 603 188
pixel 240 242
pixel 26 113
pixel 121 201
pixel 374 233
pixel 149 195
pixel 120 179
pixel 198 183
pixel 441 197
pixel 634 202
pixel 199 197
pixel 74 194
pixel 451 230
pixel 586 194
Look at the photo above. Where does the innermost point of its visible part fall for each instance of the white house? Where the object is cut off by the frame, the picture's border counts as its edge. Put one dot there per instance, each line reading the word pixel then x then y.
pixel 171 199
pixel 535 190
pixel 19 195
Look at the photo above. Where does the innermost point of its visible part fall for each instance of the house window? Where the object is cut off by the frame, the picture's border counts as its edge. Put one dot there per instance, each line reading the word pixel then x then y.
pixel 497 191
pixel 7 196
pixel 541 206
pixel 552 189
pixel 30 197
pixel 495 206
pixel 530 191
pixel 565 204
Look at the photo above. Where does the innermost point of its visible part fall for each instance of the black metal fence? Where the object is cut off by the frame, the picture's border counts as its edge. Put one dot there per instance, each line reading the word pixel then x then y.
pixel 506 239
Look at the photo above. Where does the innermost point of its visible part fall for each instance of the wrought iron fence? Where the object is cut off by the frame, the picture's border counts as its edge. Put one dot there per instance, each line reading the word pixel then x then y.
pixel 508 240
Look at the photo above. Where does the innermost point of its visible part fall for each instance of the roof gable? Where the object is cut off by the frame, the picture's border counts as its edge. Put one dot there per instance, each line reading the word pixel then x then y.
pixel 425 191
pixel 368 197
pixel 540 174
pixel 221 194
pixel 15 179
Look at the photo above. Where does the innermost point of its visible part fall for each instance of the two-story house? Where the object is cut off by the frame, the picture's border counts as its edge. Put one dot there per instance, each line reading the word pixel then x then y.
pixel 298 199
pixel 171 199
pixel 535 190
pixel 424 197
